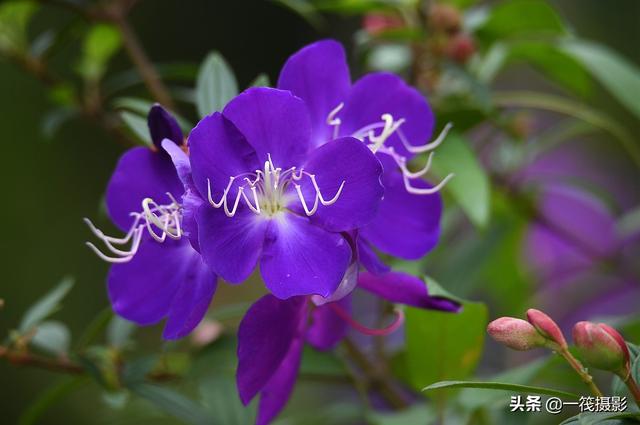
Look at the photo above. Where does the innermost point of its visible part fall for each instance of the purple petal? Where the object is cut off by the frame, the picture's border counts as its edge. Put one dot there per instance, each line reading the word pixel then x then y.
pixel 142 290
pixel 162 125
pixel 344 160
pixel 369 259
pixel 276 393
pixel 302 259
pixel 140 173
pixel 407 225
pixel 319 75
pixel 406 289
pixel 274 122
pixel 217 152
pixel 264 337
pixel 327 328
pixel 192 300
pixel 230 245
pixel 384 93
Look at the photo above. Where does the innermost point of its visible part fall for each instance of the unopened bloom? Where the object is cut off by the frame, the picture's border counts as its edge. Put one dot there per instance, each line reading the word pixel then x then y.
pixel 395 122
pixel 546 327
pixel 273 333
pixel 157 273
pixel 277 199
pixel 515 333
pixel 602 347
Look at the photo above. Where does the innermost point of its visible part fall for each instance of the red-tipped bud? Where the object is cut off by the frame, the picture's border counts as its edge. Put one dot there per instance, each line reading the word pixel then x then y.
pixel 378 23
pixel 444 18
pixel 515 333
pixel 601 347
pixel 546 327
pixel 460 48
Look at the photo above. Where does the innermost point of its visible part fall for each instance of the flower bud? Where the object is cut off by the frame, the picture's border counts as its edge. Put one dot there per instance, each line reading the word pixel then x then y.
pixel 444 18
pixel 460 48
pixel 546 327
pixel 601 347
pixel 515 333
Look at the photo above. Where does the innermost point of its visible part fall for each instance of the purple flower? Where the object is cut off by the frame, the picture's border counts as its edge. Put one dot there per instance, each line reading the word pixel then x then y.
pixel 273 333
pixel 157 273
pixel 277 199
pixel 395 122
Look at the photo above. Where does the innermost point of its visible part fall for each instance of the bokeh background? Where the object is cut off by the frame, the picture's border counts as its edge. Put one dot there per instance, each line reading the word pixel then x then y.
pixel 51 181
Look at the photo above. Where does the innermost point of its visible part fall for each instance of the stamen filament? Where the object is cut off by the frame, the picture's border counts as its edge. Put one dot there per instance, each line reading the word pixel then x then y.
pixel 344 315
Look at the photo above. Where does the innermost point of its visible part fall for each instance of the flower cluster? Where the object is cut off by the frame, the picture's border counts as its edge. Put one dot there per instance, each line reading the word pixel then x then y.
pixel 307 182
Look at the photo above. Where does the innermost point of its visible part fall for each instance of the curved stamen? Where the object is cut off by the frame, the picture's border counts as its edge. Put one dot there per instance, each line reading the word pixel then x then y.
pixel 427 147
pixel 334 121
pixel 426 191
pixel 415 174
pixel 344 315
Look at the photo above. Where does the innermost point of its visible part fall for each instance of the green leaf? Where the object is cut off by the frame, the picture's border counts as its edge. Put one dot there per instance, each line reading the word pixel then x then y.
pixel 470 186
pixel 459 338
pixel 614 72
pixel 501 386
pixel 216 85
pixel 100 45
pixel 141 107
pixel 137 125
pixel 14 19
pixel 173 403
pixel 416 414
pixel 119 332
pixel 519 18
pixel 46 306
pixel 219 396
pixel 603 418
pixel 262 80
pixel 52 337
pixel 50 397
pixel 305 9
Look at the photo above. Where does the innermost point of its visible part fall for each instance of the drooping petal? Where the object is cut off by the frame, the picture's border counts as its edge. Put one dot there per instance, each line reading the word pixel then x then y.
pixel 344 160
pixel 217 152
pixel 327 328
pixel 264 337
pixel 142 290
pixel 319 75
pixel 162 125
pixel 274 122
pixel 406 289
pixel 230 245
pixel 299 258
pixel 407 225
pixel 369 259
pixel 384 93
pixel 140 173
pixel 276 393
pixel 192 300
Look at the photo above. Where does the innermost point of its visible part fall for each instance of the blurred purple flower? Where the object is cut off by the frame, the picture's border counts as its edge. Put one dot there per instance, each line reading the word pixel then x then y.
pixel 160 275
pixel 276 198
pixel 395 122
pixel 273 332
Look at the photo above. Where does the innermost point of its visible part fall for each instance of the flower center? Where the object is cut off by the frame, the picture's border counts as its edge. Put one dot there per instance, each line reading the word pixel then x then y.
pixel 159 221
pixel 269 191
pixel 377 142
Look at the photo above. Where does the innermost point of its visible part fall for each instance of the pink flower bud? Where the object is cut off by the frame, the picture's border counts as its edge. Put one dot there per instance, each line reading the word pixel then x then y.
pixel 515 333
pixel 546 327
pixel 601 346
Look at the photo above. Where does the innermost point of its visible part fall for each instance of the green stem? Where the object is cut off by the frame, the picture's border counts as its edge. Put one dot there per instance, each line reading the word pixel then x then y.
pixel 584 375
pixel 633 388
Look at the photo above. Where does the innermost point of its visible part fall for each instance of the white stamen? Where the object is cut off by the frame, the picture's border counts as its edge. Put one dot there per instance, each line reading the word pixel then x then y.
pixel 270 191
pixel 153 216
pixel 334 121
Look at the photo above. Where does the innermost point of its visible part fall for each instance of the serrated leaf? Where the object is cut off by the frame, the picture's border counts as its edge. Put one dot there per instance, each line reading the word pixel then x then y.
pixel 527 389
pixel 52 337
pixel 470 186
pixel 216 84
pixel 614 72
pixel 173 403
pixel 46 306
pixel 101 43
